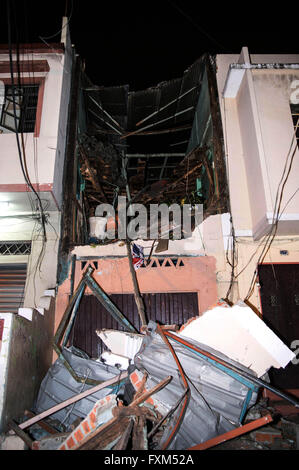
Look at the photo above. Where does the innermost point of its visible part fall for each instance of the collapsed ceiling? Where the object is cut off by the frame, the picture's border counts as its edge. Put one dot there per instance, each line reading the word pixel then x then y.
pixel 159 145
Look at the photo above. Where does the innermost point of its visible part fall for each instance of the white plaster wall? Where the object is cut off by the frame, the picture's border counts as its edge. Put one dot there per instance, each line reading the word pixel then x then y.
pixel 40 151
pixel 273 90
pixel 42 263
pixel 258 131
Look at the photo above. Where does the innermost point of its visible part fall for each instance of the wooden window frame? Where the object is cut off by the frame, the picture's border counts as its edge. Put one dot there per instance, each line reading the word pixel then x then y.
pixel 40 81
pixel 34 67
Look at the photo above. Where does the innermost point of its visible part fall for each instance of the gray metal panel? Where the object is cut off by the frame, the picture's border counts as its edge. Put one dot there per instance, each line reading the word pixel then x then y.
pixel 216 400
pixel 59 385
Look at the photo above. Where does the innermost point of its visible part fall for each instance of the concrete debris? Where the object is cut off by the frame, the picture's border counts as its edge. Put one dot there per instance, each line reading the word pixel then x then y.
pixel 12 442
pixel 191 388
pixel 121 343
pixel 241 335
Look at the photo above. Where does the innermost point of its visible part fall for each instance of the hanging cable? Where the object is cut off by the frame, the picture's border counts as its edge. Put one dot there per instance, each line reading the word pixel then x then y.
pixel 27 180
pixel 276 211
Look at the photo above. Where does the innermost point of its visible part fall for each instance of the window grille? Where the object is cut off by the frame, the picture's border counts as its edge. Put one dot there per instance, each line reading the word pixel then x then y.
pixel 15 248
pixel 25 98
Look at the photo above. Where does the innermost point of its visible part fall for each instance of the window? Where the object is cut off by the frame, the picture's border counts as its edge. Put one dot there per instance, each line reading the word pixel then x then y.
pixel 15 248
pixel 25 98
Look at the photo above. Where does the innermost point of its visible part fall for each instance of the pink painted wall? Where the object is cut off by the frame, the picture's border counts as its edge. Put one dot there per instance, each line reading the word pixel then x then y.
pixel 113 275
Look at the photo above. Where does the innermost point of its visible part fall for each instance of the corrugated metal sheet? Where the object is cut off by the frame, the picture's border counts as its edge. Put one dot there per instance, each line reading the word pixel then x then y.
pixel 12 284
pixel 164 308
pixel 218 399
pixel 59 385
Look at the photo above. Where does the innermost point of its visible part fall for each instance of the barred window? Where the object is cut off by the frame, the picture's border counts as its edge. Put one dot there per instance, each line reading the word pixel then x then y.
pixel 25 98
pixel 15 248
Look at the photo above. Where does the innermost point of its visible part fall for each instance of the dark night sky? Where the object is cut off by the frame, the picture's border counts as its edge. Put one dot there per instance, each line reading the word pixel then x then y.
pixel 144 43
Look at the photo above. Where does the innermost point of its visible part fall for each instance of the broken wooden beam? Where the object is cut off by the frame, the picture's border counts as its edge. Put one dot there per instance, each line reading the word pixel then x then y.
pixel 234 433
pixel 73 399
pixel 41 423
pixel 120 412
pixel 137 295
pixel 19 432
pixel 123 442
pixel 93 178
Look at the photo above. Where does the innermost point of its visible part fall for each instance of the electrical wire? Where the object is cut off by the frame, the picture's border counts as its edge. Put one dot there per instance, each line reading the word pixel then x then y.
pixel 199 28
pixel 23 166
pixel 276 210
pixel 59 32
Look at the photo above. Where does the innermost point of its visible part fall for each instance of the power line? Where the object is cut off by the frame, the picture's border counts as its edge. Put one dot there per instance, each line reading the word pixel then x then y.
pixel 61 29
pixel 23 166
pixel 196 25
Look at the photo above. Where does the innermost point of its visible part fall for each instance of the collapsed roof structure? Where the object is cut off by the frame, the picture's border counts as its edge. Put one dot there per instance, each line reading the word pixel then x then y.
pixel 159 145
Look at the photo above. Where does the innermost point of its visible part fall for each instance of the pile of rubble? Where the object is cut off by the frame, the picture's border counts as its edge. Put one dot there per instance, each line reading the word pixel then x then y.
pixel 167 388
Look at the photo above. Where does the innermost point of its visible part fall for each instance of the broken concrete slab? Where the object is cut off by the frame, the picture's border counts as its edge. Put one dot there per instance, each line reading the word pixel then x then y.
pixel 241 335
pixel 121 343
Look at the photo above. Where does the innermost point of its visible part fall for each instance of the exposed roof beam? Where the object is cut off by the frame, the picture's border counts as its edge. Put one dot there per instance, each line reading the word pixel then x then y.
pixel 166 106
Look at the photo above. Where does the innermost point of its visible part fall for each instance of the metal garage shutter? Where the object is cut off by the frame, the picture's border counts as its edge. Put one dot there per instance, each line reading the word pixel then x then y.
pixel 12 285
pixel 165 308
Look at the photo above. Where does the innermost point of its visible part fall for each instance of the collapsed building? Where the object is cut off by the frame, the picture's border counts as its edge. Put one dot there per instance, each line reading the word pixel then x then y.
pixel 224 136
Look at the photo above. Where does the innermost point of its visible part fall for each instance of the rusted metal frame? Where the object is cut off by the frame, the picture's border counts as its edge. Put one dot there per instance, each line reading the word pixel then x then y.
pixel 70 170
pixel 106 112
pixel 108 304
pixel 156 123
pixel 94 181
pixel 19 432
pixel 221 182
pixel 187 389
pixel 41 423
pixel 186 174
pixel 137 295
pixel 210 177
pixel 71 310
pixel 163 131
pixel 234 433
pixel 166 106
pixel 170 412
pixel 108 124
pixel 72 317
pixel 73 399
pixel 123 442
pixel 126 411
pixel 61 328
pixel 235 369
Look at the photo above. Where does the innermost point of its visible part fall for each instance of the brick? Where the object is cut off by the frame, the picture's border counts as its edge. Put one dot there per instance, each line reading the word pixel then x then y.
pixel 267 436
pixel 86 427
pixel 70 443
pixel 78 435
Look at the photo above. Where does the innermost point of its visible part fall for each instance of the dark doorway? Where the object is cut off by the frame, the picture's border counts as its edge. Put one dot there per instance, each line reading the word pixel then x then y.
pixel 164 308
pixel 280 306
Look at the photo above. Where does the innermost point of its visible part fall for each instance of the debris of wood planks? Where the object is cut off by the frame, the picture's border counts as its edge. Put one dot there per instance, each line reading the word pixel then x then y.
pixel 109 430
pixel 19 432
pixel 68 402
pixel 138 298
pixel 41 423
